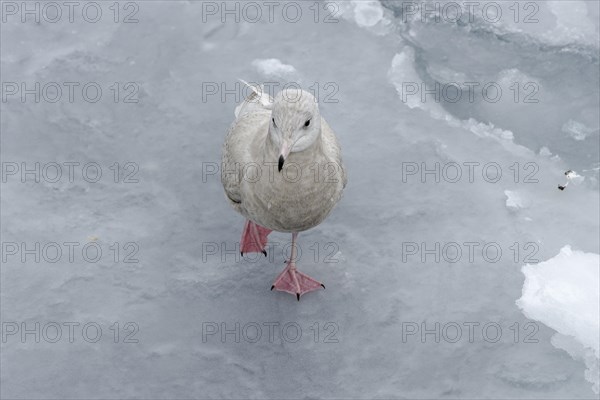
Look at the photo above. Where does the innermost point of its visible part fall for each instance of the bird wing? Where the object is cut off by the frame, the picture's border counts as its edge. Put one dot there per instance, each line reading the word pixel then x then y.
pixel 240 148
pixel 251 120
pixel 332 149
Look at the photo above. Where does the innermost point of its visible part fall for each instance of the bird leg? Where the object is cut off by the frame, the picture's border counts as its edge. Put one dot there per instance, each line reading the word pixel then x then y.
pixel 292 281
pixel 254 238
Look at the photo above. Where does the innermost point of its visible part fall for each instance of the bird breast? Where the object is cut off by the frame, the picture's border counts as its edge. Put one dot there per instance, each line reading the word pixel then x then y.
pixel 295 199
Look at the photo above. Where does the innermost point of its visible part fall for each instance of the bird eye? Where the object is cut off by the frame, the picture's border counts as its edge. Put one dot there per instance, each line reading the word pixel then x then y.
pixel 274 122
pixel 307 123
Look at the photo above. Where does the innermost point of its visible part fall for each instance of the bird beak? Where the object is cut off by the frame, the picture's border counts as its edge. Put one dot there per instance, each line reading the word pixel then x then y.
pixel 283 153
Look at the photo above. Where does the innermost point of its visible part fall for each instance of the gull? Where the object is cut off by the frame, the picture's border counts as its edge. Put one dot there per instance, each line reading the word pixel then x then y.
pixel 282 170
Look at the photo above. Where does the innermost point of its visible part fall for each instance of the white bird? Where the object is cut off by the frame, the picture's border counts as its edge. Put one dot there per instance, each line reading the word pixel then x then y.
pixel 282 170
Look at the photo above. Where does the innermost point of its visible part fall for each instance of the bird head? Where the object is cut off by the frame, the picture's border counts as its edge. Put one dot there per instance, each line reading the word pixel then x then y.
pixel 295 122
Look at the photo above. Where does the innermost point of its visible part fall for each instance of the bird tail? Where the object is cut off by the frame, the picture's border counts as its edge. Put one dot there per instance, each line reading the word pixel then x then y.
pixel 258 100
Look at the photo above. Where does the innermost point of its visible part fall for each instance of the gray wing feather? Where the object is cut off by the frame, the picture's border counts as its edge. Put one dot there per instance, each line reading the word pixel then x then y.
pixel 244 134
pixel 333 150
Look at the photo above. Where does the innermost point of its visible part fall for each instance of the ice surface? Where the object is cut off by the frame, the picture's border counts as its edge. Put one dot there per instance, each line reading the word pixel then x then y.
pixel 375 291
pixel 562 292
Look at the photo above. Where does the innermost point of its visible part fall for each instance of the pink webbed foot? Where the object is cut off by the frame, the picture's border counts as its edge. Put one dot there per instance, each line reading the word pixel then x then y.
pixel 254 238
pixel 292 281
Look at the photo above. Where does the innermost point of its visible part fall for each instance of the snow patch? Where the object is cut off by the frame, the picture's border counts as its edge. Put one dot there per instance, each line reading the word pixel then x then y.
pixel 575 22
pixel 368 14
pixel 273 67
pixel 576 130
pixel 514 200
pixel 563 293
